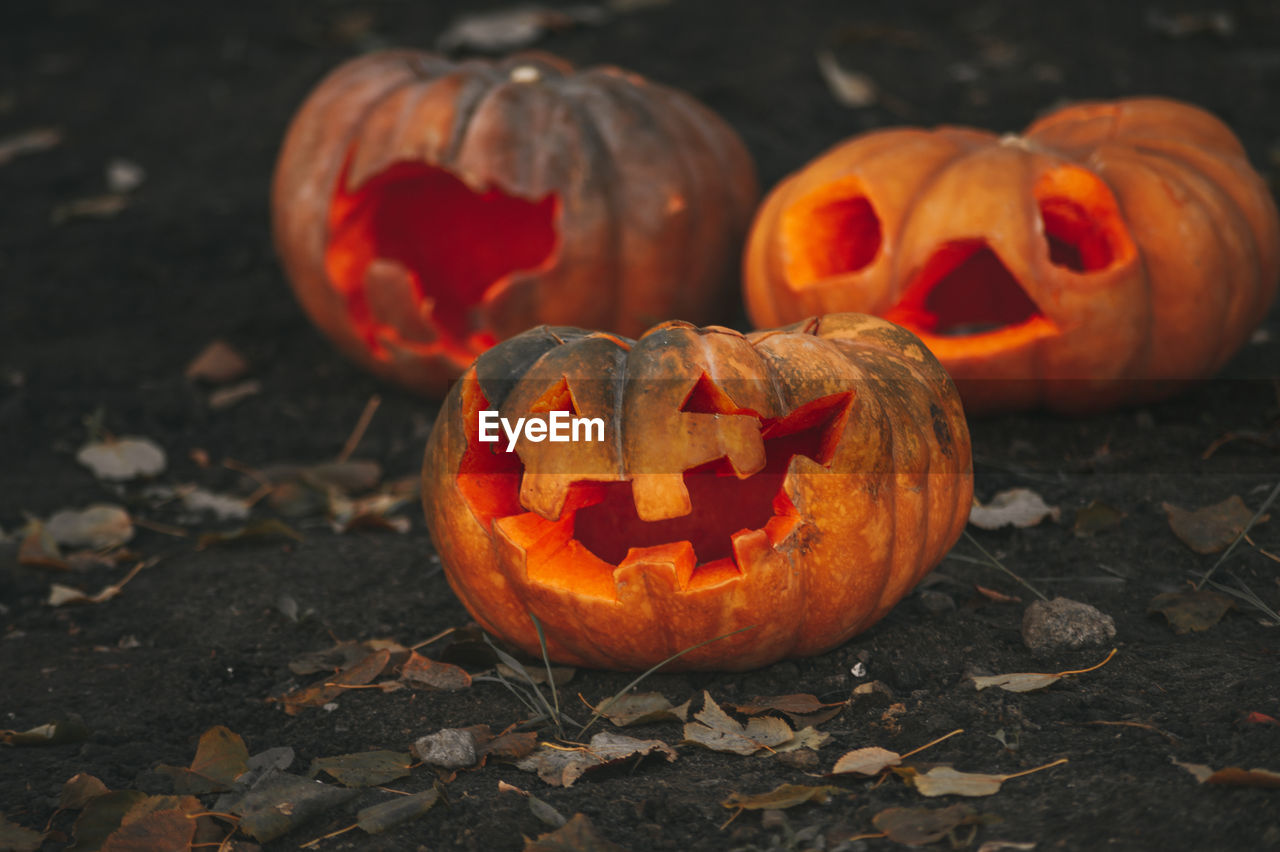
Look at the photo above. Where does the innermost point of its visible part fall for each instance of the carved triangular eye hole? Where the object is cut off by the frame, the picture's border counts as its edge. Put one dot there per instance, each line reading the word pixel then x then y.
pixel 556 398
pixel 708 398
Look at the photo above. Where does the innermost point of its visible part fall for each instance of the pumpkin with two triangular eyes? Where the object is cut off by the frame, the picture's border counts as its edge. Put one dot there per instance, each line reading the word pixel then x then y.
pixel 1112 253
pixel 775 492
pixel 424 208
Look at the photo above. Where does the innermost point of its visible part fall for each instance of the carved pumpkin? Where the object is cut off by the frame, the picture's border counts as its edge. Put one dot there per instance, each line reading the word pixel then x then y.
pixel 1112 253
pixel 424 208
pixel 797 482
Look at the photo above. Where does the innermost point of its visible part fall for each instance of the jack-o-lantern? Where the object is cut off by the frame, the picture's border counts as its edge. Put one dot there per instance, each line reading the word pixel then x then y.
pixel 425 208
pixel 1112 253
pixel 797 482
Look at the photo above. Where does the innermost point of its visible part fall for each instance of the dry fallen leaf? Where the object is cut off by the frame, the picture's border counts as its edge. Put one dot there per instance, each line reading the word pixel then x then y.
pixel 122 459
pixel 280 802
pixel 802 709
pixel 59 732
pixel 1094 518
pixel 94 207
pixel 508 29
pixel 922 826
pixel 640 708
pixel 866 761
pixel 1231 776
pixel 228 396
pixel 849 88
pixel 945 781
pixel 1191 609
pixel 718 731
pixel 218 363
pixel 60 595
pixel 99 526
pixel 221 758
pixel 79 789
pixel 15 838
pixel 1028 681
pixel 576 835
pixel 561 767
pixel 783 797
pixel 251 534
pixel 425 671
pixel 39 549
pixel 1016 507
pixel 29 142
pixel 376 819
pixel 318 694
pixel 365 768
pixel 1210 529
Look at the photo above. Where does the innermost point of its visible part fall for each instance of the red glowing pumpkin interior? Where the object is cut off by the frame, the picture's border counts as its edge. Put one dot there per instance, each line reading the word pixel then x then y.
pixel 599 529
pixel 415 251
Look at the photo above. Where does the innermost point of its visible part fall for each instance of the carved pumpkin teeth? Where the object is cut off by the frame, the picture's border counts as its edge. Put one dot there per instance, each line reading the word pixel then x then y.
pixel 964 290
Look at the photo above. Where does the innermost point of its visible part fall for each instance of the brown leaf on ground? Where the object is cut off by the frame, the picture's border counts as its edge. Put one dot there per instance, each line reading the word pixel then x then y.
pixel 849 87
pixel 561 767
pixel 60 595
pixel 1029 681
pixel 424 671
pixel 225 397
pixel 1016 507
pixel 376 819
pixel 1191 609
pixel 29 142
pixel 319 694
pixel 262 531
pixel 995 596
pixel 802 709
pixel 945 781
pixel 280 802
pixel 15 838
pixel 576 835
pixel 100 526
pixel 218 363
pixel 365 768
pixel 39 549
pixel 640 708
pixel 79 789
pixel 922 826
pixel 154 831
pixel 866 761
pixel 1234 776
pixel 122 459
pixel 502 30
pixel 783 797
pixel 1096 517
pixel 1210 529
pixel 221 758
pixel 508 746
pixel 718 731
pixel 101 816
pixel 59 732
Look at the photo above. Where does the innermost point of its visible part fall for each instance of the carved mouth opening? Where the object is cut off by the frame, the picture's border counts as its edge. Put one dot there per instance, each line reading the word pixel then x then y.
pixel 964 289
pixel 416 252
pixel 599 531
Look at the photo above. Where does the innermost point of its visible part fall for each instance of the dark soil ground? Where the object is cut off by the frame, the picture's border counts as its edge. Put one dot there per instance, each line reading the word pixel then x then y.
pixel 101 313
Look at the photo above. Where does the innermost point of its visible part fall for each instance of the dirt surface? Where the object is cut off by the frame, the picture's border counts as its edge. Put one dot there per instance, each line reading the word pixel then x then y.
pixel 100 313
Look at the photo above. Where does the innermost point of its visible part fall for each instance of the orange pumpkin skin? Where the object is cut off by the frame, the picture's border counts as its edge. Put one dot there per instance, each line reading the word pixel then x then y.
pixel 1111 254
pixel 424 208
pixel 797 482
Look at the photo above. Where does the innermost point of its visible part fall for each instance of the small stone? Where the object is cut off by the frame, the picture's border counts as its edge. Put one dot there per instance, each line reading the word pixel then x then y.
pixel 1064 624
pixel 773 820
pixel 937 603
pixel 451 748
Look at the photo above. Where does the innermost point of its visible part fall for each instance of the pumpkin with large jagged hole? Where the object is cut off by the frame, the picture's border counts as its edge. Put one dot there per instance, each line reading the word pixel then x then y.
pixel 425 208
pixel 1112 253
pixel 782 489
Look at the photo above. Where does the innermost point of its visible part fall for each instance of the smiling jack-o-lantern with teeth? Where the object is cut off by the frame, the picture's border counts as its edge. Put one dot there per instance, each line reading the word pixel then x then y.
pixel 786 487
pixel 1112 253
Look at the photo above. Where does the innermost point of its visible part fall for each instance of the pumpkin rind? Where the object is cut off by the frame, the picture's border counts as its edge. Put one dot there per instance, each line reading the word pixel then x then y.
pixel 850 533
pixel 646 189
pixel 1175 259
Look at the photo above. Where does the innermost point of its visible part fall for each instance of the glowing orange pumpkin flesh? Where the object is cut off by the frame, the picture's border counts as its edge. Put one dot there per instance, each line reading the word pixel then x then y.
pixel 455 246
pixel 599 529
